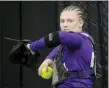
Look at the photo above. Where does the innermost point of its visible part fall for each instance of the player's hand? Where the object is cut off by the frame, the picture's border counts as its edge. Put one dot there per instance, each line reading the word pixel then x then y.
pixel 47 62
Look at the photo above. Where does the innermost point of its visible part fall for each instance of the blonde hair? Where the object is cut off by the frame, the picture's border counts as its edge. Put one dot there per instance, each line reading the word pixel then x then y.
pixel 78 9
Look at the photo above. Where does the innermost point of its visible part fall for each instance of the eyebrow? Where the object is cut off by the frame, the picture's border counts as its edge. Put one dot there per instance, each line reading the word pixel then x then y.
pixel 67 19
pixel 70 19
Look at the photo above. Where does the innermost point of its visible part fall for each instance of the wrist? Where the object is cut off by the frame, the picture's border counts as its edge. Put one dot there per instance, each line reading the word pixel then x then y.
pixel 28 46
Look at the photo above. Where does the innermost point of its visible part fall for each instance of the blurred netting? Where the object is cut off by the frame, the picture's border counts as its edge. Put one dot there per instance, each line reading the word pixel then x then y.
pixel 96 24
pixel 104 40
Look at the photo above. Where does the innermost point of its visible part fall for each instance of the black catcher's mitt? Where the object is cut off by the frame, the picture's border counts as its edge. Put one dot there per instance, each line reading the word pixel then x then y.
pixel 21 55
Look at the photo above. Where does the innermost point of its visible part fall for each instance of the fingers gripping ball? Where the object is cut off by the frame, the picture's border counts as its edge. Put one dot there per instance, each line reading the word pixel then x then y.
pixel 46 74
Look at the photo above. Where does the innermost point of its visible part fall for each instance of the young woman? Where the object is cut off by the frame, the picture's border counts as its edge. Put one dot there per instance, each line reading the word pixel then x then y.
pixel 77 54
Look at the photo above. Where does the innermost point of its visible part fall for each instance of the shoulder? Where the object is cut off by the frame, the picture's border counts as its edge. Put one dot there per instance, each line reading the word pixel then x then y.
pixel 87 37
pixel 84 34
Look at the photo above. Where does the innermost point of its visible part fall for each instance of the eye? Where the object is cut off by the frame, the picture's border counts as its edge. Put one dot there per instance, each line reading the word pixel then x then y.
pixel 69 20
pixel 61 20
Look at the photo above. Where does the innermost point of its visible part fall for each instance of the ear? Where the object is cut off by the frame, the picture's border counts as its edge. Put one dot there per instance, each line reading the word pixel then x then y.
pixel 81 22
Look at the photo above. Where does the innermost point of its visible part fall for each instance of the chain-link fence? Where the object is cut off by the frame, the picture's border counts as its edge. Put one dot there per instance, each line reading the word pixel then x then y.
pixel 104 40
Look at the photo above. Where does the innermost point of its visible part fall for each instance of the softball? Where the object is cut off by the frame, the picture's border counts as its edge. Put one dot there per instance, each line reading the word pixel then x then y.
pixel 46 74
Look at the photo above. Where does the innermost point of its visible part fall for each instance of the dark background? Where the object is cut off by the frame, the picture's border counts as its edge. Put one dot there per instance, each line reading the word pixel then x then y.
pixel 34 19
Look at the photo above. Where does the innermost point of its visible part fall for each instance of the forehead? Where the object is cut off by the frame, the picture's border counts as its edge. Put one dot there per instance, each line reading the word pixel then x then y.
pixel 69 14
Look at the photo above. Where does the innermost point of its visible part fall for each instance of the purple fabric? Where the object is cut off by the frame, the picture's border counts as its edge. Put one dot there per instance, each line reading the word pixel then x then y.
pixel 71 40
pixel 76 55
pixel 72 83
pixel 38 44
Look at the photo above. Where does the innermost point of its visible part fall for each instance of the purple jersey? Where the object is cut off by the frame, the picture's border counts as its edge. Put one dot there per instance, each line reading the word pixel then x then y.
pixel 76 55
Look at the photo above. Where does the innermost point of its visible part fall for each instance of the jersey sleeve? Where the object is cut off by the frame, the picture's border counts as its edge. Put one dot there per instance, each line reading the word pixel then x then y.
pixel 70 40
